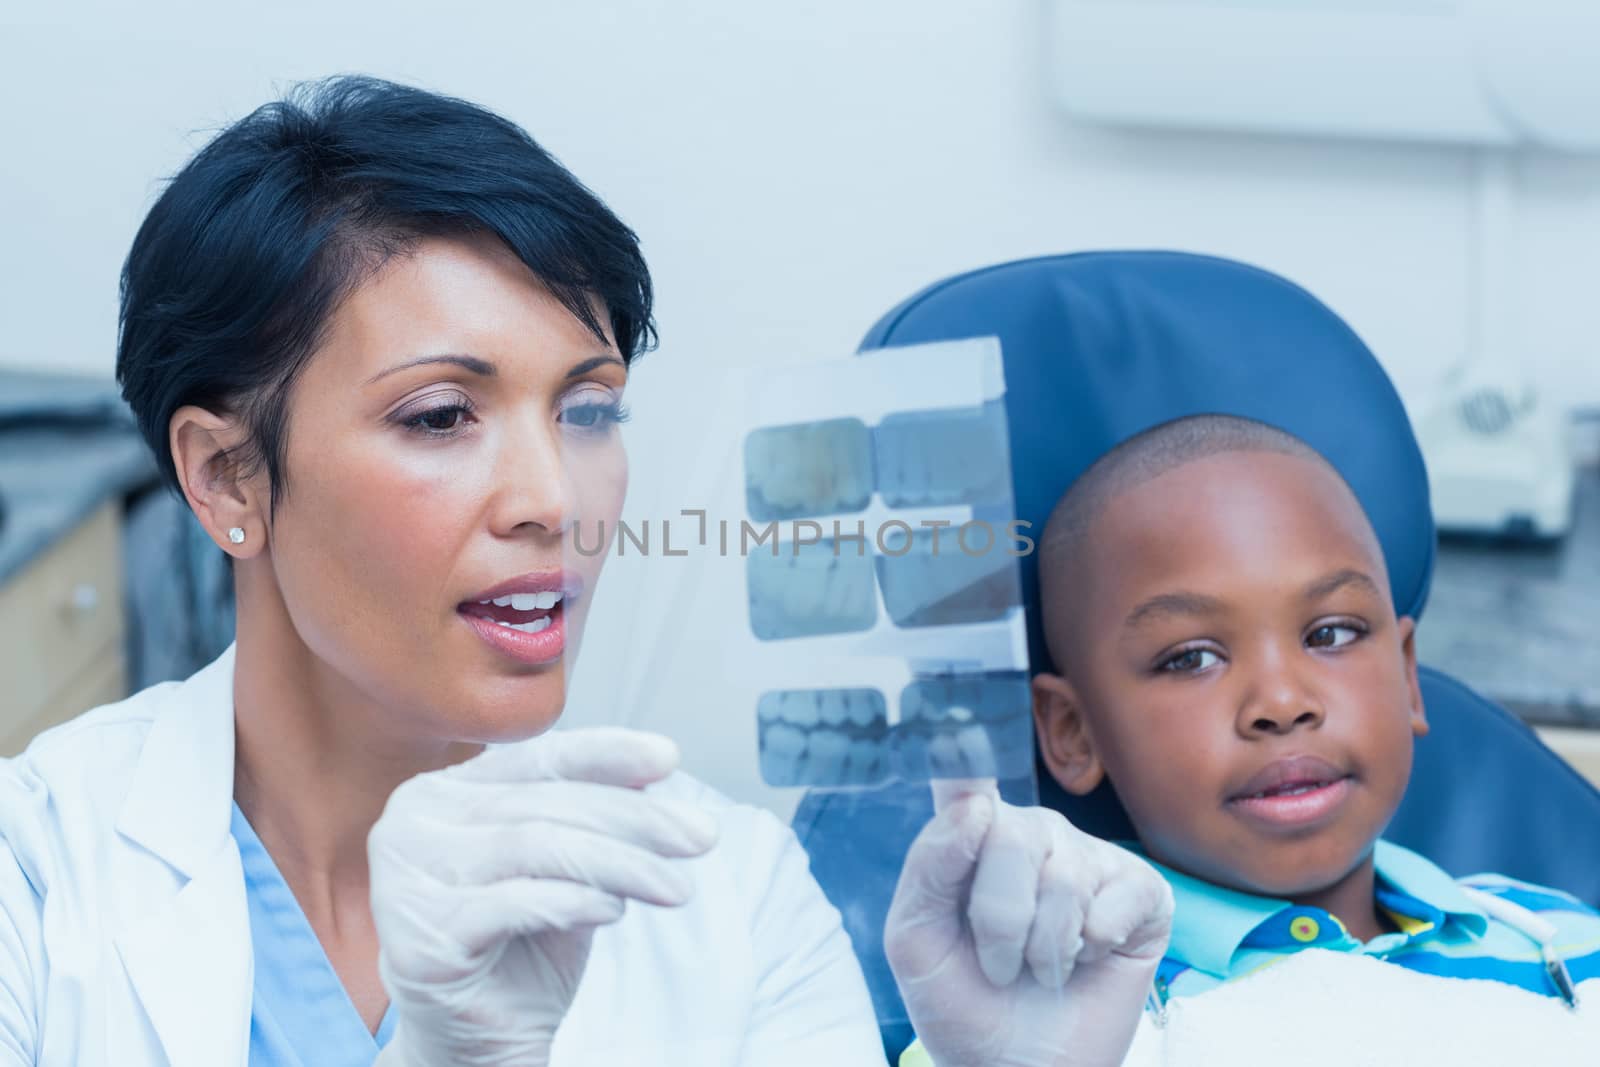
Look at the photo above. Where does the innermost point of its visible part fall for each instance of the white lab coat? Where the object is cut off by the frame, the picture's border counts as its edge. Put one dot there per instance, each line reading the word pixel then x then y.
pixel 125 937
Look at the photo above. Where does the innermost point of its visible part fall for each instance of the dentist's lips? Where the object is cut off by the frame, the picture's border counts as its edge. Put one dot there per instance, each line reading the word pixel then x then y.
pixel 524 618
pixel 1293 794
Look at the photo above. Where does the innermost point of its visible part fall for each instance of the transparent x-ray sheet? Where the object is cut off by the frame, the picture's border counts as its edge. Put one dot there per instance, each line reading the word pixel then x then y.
pixel 817 596
pixel 821 591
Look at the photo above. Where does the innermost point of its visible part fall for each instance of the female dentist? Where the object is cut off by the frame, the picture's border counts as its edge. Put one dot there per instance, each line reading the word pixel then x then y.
pixel 378 339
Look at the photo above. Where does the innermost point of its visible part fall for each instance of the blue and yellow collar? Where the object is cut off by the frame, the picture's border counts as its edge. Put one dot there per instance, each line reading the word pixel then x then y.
pixel 1212 924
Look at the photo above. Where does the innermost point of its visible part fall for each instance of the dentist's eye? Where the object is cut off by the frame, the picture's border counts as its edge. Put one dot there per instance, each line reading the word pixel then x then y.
pixel 1333 635
pixel 593 415
pixel 438 420
pixel 1189 661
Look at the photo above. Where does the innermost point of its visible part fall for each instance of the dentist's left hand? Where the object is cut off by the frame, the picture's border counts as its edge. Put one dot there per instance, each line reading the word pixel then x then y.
pixel 489 879
pixel 1018 940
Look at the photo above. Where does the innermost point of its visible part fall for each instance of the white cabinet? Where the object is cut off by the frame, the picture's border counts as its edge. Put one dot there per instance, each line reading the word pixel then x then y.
pixel 1478 72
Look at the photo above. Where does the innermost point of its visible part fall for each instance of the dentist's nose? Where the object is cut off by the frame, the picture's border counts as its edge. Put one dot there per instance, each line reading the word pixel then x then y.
pixel 533 485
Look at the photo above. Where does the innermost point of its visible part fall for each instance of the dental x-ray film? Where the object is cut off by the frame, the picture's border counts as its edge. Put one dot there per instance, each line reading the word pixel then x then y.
pixel 885 602
pixel 828 596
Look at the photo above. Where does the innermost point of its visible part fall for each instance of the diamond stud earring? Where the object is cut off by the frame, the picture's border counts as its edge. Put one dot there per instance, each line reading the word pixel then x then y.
pixel 236 535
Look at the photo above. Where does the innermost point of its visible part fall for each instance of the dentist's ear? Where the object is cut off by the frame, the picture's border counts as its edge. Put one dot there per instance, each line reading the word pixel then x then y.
pixel 231 506
pixel 1065 741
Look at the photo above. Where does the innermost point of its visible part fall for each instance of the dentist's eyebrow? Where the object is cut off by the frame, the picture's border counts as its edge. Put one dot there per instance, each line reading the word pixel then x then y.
pixel 477 366
pixel 1173 604
pixel 595 361
pixel 1338 580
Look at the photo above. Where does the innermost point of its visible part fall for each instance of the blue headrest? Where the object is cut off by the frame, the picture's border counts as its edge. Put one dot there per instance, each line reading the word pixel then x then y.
pixel 1099 346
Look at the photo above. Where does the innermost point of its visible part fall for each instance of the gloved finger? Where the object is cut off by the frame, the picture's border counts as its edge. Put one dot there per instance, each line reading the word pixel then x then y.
pixel 925 916
pixel 663 825
pixel 490 914
pixel 1056 936
pixel 1005 893
pixel 461 856
pixel 946 791
pixel 1130 913
pixel 610 755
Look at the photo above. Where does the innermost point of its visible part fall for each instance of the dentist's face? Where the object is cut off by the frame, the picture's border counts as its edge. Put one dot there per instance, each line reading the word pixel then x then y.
pixel 443 444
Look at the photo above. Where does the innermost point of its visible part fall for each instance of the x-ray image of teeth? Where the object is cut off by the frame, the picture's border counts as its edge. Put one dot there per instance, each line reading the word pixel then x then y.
pixel 950 587
pixel 810 589
pixel 940 458
pixel 823 737
pixel 898 653
pixel 965 728
pixel 808 469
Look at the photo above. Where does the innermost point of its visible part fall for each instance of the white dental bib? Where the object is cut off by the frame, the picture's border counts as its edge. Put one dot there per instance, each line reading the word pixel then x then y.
pixel 1346 1010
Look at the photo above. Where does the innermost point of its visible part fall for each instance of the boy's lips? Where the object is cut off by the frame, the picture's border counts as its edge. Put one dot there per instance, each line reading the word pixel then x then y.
pixel 1286 774
pixel 1292 793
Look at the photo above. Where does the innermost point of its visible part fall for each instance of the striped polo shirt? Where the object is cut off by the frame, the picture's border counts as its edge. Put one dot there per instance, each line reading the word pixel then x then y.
pixel 1220 934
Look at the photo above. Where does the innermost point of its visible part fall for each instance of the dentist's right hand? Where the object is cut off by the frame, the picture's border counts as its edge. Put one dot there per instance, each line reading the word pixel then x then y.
pixel 489 879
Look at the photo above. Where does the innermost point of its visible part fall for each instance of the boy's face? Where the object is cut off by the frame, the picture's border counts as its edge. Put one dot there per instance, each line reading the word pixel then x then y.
pixel 1231 658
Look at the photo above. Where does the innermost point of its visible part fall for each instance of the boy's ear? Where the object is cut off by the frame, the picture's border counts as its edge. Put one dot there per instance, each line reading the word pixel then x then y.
pixel 1408 649
pixel 1065 742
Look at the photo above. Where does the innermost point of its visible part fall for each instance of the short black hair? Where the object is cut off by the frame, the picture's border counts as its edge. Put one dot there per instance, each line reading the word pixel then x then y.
pixel 1139 459
pixel 235 272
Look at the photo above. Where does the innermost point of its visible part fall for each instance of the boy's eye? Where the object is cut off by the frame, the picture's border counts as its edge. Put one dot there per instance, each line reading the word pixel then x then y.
pixel 1332 636
pixel 1189 661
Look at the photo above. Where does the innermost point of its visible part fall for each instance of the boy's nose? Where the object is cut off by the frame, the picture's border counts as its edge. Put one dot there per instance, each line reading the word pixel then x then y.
pixel 1277 703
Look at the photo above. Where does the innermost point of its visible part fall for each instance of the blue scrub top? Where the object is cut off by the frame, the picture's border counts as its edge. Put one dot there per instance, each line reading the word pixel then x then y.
pixel 301 1015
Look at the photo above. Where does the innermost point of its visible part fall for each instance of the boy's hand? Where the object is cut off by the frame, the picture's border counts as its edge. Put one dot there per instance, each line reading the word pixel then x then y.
pixel 1018 940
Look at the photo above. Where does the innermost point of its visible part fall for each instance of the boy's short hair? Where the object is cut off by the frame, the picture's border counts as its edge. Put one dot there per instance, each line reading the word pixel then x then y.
pixel 1137 460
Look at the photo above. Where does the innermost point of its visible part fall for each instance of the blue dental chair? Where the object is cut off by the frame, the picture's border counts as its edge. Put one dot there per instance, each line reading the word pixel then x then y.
pixel 1099 346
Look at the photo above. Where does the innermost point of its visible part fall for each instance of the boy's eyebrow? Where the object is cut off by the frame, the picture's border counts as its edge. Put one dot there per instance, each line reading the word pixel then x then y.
pixel 1173 604
pixel 1168 604
pixel 1336 581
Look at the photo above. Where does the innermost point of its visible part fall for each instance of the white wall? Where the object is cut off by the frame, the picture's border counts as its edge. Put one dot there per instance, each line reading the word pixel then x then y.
pixel 793 169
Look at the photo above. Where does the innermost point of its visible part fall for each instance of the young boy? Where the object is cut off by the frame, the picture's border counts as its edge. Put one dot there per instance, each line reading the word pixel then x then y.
pixel 1218 609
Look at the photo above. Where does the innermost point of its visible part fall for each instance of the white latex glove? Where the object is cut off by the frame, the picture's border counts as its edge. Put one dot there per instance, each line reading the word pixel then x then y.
pixel 1018 940
pixel 490 877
